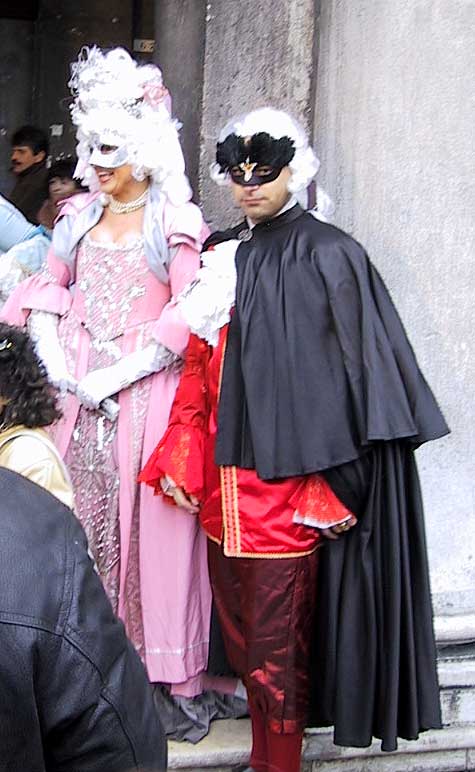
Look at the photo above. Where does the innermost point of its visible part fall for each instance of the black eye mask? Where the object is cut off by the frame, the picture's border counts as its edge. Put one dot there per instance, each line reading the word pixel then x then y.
pixel 256 161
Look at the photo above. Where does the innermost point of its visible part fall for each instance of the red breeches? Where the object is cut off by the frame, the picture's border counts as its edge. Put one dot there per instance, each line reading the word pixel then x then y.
pixel 266 608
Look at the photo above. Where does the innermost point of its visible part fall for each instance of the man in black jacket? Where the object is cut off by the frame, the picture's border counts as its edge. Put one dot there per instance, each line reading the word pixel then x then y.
pixel 300 369
pixel 73 693
pixel 30 149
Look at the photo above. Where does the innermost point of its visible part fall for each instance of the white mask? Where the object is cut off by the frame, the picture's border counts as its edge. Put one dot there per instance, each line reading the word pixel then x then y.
pixel 110 158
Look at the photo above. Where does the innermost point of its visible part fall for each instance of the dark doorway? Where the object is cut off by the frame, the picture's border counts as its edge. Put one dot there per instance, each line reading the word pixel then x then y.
pixel 38 42
pixel 17 41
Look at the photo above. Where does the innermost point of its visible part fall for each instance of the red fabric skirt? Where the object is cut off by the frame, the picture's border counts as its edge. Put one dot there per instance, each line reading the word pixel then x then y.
pixel 266 609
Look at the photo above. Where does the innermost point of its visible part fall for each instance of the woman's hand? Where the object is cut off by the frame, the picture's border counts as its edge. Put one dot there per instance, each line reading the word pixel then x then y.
pixel 181 499
pixel 94 387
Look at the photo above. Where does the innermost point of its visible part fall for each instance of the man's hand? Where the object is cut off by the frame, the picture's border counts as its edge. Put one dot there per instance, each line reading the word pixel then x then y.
pixel 335 531
pixel 181 499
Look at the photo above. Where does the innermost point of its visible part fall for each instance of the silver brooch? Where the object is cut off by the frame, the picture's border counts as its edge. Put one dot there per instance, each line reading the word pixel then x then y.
pixel 245 234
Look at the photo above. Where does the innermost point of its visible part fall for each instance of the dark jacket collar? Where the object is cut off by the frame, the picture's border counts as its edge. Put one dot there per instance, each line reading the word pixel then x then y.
pixel 282 219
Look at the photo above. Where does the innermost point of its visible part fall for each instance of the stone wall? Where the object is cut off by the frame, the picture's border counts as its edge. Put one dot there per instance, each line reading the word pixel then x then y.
pixel 394 130
pixel 256 54
pixel 180 52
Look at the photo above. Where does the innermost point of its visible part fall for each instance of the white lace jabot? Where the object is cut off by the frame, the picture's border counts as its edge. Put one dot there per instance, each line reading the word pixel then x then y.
pixel 206 302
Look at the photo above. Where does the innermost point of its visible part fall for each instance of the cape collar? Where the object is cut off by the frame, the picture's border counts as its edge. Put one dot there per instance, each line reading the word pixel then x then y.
pixel 284 217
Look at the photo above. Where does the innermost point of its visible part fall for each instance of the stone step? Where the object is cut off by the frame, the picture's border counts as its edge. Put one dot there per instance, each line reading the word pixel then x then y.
pixel 228 745
pixel 448 750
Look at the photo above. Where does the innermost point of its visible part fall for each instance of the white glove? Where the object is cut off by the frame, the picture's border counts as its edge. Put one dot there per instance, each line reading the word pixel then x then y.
pixel 99 384
pixel 43 328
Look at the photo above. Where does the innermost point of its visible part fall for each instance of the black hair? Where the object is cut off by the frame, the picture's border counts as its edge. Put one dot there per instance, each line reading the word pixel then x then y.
pixel 64 169
pixel 261 148
pixel 24 383
pixel 33 137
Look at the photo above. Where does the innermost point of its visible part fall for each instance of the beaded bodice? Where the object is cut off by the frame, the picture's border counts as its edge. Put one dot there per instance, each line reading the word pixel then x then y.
pixel 110 277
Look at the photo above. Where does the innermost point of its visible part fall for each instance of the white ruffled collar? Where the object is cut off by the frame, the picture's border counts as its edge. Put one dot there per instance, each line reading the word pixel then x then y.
pixel 206 303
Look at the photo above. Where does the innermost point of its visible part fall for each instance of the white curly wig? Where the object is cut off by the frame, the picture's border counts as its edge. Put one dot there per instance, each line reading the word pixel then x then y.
pixel 304 165
pixel 121 103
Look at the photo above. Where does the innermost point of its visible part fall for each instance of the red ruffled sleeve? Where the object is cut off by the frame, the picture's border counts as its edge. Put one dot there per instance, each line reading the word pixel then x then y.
pixel 316 505
pixel 180 452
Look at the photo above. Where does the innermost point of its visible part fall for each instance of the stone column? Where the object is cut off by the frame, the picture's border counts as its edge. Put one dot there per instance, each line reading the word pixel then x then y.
pixel 180 32
pixel 256 54
pixel 394 128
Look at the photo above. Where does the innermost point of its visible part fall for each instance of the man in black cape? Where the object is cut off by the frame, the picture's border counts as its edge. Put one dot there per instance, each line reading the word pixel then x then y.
pixel 317 379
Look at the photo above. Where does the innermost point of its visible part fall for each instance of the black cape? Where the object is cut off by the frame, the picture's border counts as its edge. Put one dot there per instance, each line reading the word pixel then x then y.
pixel 317 364
pixel 319 376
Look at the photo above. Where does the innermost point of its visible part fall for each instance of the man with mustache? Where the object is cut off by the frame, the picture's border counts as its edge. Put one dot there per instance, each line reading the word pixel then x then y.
pixel 30 149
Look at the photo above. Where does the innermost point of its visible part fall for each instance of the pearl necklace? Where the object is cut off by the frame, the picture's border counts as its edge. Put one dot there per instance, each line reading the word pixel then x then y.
pixel 125 207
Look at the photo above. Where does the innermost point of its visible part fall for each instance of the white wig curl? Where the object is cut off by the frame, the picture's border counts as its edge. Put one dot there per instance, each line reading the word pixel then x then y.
pixel 118 102
pixel 304 165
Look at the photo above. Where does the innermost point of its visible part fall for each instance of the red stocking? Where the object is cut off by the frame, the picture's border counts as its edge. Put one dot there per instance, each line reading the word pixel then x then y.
pixel 284 752
pixel 259 739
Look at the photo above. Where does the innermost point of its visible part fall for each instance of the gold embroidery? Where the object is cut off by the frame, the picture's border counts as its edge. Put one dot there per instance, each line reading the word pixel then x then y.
pixel 319 503
pixel 269 555
pixel 248 168
pixel 221 367
pixel 179 458
pixel 228 504
pixel 235 508
pixel 224 506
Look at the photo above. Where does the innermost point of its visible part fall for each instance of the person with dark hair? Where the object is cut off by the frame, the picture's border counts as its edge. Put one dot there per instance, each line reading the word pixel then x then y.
pixel 30 149
pixel 74 695
pixel 292 434
pixel 61 185
pixel 27 406
pixel 35 139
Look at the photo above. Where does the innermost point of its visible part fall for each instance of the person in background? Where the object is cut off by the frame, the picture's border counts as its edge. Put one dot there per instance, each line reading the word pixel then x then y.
pixel 61 185
pixel 23 248
pixel 27 406
pixel 74 695
pixel 25 245
pixel 30 149
pixel 14 227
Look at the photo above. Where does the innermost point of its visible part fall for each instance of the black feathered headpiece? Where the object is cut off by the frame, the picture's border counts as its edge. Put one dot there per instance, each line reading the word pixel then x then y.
pixel 261 149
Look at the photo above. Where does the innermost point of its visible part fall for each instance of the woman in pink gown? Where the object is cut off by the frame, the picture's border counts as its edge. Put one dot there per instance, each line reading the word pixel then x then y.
pixel 111 338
